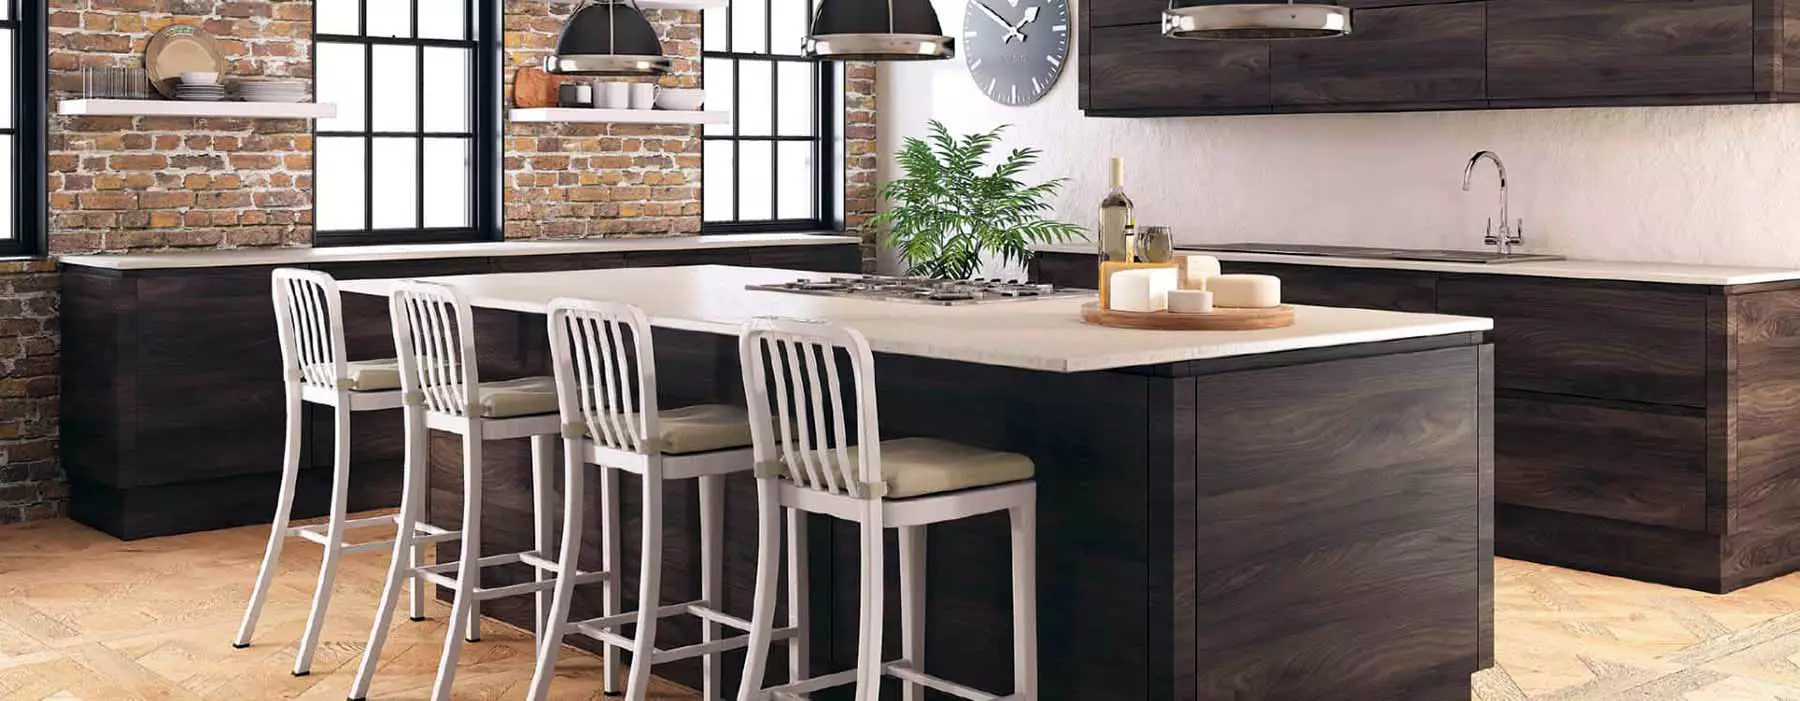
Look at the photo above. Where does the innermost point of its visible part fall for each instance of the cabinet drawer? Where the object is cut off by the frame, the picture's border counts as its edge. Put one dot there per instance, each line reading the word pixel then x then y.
pixel 1636 466
pixel 1559 49
pixel 1363 288
pixel 1421 55
pixel 1136 68
pixel 1560 337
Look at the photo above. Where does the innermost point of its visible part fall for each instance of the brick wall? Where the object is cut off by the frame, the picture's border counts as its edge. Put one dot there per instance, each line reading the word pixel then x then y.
pixel 31 482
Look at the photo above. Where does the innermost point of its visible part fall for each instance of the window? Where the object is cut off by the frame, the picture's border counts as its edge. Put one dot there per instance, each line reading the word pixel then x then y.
pixel 22 199
pixel 412 154
pixel 772 167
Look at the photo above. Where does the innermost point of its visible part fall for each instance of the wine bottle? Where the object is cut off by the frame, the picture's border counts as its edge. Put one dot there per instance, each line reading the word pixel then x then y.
pixel 1118 219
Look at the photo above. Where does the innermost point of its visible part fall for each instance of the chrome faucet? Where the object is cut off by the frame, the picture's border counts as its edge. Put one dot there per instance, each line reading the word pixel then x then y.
pixel 1507 236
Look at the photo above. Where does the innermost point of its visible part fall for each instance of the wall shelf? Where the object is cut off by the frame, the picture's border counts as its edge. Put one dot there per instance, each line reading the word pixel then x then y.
pixel 684 4
pixel 588 114
pixel 180 108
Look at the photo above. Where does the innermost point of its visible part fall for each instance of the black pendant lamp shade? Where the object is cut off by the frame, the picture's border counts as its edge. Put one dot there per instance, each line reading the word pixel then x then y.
pixel 609 37
pixel 1254 21
pixel 878 30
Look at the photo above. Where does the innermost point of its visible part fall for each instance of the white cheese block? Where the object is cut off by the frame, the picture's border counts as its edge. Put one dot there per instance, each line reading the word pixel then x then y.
pixel 1245 291
pixel 1199 268
pixel 1143 289
pixel 1191 302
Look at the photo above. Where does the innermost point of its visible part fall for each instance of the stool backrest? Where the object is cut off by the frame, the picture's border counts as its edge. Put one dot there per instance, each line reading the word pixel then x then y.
pixel 799 406
pixel 434 339
pixel 605 373
pixel 309 321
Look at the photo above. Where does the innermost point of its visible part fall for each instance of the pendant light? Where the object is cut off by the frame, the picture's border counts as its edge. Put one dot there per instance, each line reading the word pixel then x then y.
pixel 1224 19
pixel 878 30
pixel 610 38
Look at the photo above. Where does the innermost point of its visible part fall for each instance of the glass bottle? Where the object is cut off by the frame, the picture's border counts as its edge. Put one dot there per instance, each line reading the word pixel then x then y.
pixel 1118 219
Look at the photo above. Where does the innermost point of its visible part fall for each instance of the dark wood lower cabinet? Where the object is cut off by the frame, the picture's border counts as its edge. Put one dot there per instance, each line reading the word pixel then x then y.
pixel 1649 431
pixel 172 399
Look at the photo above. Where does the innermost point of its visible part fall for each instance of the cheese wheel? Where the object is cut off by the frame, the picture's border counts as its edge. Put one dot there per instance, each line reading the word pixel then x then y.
pixel 1245 291
pixel 1191 302
pixel 1143 289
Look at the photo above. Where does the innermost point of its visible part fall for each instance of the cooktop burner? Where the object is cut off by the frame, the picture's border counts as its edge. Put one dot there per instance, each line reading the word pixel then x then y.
pixel 924 290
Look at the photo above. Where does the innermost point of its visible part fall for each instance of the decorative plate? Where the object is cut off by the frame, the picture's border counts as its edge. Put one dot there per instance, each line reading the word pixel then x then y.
pixel 179 49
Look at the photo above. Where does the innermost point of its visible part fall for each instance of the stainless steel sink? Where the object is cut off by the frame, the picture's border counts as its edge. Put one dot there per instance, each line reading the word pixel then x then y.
pixel 1371 253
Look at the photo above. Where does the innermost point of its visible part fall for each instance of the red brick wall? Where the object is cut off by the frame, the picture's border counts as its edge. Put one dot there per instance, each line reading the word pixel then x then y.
pixel 31 482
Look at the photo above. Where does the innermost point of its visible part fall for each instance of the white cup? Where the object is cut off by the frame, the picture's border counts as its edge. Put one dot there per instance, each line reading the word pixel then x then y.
pixel 643 96
pixel 200 78
pixel 613 95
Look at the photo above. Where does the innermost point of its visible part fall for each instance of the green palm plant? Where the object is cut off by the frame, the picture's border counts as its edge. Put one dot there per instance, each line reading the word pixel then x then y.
pixel 946 213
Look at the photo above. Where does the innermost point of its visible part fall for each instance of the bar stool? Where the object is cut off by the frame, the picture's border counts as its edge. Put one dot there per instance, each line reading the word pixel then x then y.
pixel 606 394
pixel 434 338
pixel 808 461
pixel 309 322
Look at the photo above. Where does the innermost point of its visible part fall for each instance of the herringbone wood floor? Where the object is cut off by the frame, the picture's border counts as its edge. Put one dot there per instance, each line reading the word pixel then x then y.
pixel 83 616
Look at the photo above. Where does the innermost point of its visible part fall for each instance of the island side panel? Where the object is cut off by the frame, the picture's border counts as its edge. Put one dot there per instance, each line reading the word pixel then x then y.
pixel 1761 445
pixel 1338 529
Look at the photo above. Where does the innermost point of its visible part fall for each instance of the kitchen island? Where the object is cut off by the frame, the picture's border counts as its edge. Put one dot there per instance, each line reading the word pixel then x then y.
pixel 1301 513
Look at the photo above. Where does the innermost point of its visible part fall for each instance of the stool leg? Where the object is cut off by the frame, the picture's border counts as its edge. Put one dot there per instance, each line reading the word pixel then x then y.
pixel 649 584
pixel 912 605
pixel 874 566
pixel 1024 576
pixel 799 601
pixel 334 546
pixel 712 512
pixel 762 612
pixel 412 501
pixel 543 460
pixel 419 591
pixel 468 573
pixel 284 507
pixel 611 588
pixel 550 641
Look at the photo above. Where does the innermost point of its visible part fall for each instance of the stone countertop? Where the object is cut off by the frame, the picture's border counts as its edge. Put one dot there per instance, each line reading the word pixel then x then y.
pixel 351 254
pixel 1045 335
pixel 1668 273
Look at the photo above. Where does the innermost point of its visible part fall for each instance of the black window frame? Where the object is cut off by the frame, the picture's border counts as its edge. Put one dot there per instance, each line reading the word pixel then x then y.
pixel 29 22
pixel 827 121
pixel 484 135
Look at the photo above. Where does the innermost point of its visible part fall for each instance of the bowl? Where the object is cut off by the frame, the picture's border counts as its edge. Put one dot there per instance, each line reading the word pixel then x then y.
pixel 200 78
pixel 681 99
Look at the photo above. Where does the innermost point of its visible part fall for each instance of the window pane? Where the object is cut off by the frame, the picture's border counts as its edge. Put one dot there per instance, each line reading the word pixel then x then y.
pixel 795 103
pixel 396 88
pixel 390 18
pixel 6 77
pixel 796 173
pixel 396 185
pixel 788 25
pixel 755 110
pixel 336 17
pixel 6 9
pixel 446 89
pixel 749 27
pixel 442 19
pixel 340 68
pixel 755 190
pixel 7 190
pixel 716 183
pixel 717 77
pixel 717 23
pixel 447 170
pixel 339 180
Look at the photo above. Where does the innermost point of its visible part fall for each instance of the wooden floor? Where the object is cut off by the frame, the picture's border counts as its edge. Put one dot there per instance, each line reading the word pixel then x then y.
pixel 83 616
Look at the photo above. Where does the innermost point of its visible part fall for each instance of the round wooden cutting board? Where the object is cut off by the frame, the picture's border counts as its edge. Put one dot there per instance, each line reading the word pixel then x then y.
pixel 179 49
pixel 1222 319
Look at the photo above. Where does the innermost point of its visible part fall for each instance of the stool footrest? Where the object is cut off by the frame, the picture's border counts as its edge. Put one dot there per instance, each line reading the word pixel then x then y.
pixel 321 534
pixel 440 575
pixel 903 670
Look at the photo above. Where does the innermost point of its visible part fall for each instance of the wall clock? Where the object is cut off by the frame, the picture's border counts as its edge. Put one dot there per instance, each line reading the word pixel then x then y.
pixel 1015 49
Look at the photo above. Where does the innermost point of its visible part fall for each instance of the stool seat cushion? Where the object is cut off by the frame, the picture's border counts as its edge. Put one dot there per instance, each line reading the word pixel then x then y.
pixel 526 396
pixel 373 375
pixel 916 467
pixel 701 428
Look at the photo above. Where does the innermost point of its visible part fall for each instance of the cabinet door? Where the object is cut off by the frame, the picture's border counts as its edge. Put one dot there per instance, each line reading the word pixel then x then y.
pixel 1136 69
pixel 1550 49
pixel 1362 288
pixel 845 258
pixel 1107 13
pixel 1424 55
pixel 1066 270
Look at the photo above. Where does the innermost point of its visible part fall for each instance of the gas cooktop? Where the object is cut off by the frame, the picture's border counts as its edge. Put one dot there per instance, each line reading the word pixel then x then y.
pixel 920 290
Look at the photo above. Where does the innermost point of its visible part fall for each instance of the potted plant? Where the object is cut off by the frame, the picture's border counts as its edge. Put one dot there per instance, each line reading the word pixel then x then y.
pixel 950 210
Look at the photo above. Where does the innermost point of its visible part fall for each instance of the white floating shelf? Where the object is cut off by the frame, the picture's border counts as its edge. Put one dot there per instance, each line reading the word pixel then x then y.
pixel 182 108
pixel 684 4
pixel 588 114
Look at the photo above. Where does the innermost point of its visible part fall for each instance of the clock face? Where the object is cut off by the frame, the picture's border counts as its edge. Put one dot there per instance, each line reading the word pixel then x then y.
pixel 1015 49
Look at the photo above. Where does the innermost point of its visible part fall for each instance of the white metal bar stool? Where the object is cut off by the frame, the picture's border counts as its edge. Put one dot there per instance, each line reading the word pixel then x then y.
pixel 606 393
pixel 434 336
pixel 310 324
pixel 809 460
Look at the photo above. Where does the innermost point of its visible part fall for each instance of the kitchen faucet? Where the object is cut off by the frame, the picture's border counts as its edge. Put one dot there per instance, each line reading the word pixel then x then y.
pixel 1507 236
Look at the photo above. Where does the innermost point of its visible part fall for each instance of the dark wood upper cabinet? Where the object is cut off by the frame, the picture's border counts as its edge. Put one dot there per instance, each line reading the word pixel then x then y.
pixel 1451 54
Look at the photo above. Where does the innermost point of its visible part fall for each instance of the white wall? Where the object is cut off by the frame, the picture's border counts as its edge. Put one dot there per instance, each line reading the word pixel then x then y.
pixel 1712 185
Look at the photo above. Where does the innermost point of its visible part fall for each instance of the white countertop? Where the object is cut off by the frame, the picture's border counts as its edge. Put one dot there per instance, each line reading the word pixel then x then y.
pixel 1670 273
pixel 1045 335
pixel 351 254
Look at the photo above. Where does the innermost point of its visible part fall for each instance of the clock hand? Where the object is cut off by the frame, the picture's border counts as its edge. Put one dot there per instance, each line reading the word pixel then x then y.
pixel 1031 15
pixel 1010 31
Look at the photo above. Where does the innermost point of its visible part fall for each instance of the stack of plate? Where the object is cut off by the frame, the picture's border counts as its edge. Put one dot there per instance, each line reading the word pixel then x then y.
pixel 200 92
pixel 272 90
